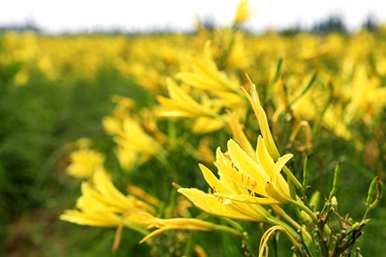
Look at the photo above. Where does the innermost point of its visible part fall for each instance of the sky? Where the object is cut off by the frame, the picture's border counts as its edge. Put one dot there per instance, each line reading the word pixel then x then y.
pixel 78 15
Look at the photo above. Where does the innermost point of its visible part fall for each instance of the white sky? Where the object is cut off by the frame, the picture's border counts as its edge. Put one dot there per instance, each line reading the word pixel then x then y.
pixel 72 15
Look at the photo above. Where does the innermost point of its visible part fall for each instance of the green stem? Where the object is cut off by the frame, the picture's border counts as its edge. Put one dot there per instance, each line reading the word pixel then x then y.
pixel 161 157
pixel 292 178
pixel 136 228
pixel 228 230
pixel 234 224
pixel 303 207
pixel 284 215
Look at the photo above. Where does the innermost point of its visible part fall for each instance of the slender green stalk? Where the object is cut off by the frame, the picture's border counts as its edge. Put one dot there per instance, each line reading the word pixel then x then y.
pixel 228 230
pixel 303 207
pixel 292 178
pixel 284 215
pixel 136 228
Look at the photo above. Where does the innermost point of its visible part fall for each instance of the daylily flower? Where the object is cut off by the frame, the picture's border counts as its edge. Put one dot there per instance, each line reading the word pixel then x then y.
pixel 101 204
pixel 244 184
pixel 84 162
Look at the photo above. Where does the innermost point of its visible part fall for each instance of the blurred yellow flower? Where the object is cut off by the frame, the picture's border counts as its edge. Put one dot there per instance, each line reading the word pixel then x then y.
pixel 101 204
pixel 85 162
pixel 134 145
pixel 181 104
pixel 242 12
pixel 207 76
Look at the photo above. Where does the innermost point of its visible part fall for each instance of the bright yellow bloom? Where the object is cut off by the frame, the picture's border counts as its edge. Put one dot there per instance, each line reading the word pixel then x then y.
pixel 134 145
pixel 134 137
pixel 239 57
pixel 242 12
pixel 253 98
pixel 112 125
pixel 181 104
pixel 85 162
pixel 244 184
pixel 205 125
pixel 368 97
pixel 207 76
pixel 247 178
pixel 101 204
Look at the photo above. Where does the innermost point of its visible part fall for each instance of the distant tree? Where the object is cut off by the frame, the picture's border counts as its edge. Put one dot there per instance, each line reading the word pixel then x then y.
pixel 370 23
pixel 293 30
pixel 28 25
pixel 333 23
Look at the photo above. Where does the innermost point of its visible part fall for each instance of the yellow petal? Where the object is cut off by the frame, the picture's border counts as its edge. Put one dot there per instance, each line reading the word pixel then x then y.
pixel 248 199
pixel 239 135
pixel 276 194
pixel 206 125
pixel 253 98
pixel 99 219
pixel 246 164
pixel 211 179
pixel 212 204
pixel 103 184
pixel 264 157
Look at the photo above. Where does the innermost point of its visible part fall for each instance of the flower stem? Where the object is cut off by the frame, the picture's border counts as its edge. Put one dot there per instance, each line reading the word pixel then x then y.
pixel 292 178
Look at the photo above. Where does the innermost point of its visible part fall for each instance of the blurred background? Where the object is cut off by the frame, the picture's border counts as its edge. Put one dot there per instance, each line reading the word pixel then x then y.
pixel 59 72
pixel 174 15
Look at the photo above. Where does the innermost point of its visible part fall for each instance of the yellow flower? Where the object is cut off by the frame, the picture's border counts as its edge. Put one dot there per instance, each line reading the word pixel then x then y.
pixel 265 131
pixel 247 178
pixel 85 162
pixel 205 125
pixel 242 12
pixel 207 76
pixel 112 125
pixel 244 184
pixel 181 104
pixel 101 204
pixel 134 137
pixel 253 98
pixel 134 145
pixel 238 57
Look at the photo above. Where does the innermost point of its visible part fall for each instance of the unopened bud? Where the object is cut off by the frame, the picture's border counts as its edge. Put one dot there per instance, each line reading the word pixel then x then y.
pixel 374 193
pixel 334 202
pixel 314 201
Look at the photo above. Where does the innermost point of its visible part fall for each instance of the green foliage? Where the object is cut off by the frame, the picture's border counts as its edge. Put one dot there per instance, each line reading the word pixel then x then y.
pixel 38 122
